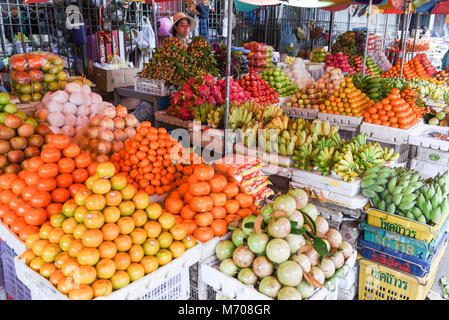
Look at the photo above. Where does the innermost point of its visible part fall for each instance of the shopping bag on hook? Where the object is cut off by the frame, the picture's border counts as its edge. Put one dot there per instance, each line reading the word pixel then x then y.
pixel 146 38
pixel 288 42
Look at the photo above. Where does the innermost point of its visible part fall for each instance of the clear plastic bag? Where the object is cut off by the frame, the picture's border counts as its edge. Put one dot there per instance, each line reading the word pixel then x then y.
pixel 288 42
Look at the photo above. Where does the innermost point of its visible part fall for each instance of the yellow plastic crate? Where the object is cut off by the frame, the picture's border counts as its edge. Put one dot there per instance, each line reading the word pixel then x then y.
pixel 402 225
pixel 379 282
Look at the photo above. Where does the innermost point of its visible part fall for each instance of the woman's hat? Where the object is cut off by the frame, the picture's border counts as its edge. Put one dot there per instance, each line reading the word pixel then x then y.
pixel 181 15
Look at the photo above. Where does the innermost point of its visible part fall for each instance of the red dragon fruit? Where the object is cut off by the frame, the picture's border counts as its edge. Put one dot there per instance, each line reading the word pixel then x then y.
pixel 211 100
pixel 203 91
pixel 186 87
pixel 188 94
pixel 200 101
pixel 215 92
pixel 183 113
pixel 175 98
pixel 208 79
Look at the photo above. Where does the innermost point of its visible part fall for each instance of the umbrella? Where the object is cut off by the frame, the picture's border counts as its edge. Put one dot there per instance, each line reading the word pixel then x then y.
pixel 250 5
pixel 441 8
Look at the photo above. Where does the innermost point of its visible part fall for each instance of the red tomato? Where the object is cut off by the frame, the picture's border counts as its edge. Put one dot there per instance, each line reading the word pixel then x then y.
pixel 64 180
pixel 53 208
pixel 40 199
pixel 50 154
pixel 48 170
pixel 22 208
pixel 74 188
pixel 80 175
pixel 46 184
pixel 60 195
pixel 35 217
pixel 17 225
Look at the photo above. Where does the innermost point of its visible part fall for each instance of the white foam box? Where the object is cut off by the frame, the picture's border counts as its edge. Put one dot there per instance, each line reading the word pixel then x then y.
pixel 326 183
pixel 431 148
pixel 276 159
pixel 12 240
pixel 427 169
pixel 304 113
pixel 240 148
pixel 352 202
pixel 388 134
pixel 269 169
pixel 344 122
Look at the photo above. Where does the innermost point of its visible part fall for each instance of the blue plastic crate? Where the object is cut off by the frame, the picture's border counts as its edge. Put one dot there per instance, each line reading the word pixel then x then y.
pixel 15 289
pixel 399 261
pixel 400 243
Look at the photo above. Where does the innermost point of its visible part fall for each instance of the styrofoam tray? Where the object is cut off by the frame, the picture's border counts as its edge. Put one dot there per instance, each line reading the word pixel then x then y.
pixel 388 134
pixel 420 137
pixel 435 156
pixel 17 245
pixel 135 290
pixel 340 120
pixel 301 112
pixel 352 202
pixel 326 183
pixel 276 159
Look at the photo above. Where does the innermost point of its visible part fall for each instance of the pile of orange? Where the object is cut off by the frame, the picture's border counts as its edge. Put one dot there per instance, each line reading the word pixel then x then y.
pixel 108 235
pixel 407 72
pixel 393 111
pixel 347 100
pixel 152 160
pixel 36 193
pixel 410 96
pixel 419 69
pixel 205 202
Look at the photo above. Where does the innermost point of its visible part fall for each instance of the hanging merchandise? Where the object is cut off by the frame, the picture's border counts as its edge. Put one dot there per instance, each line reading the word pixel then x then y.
pixel 204 18
pixel 288 43
pixel 163 27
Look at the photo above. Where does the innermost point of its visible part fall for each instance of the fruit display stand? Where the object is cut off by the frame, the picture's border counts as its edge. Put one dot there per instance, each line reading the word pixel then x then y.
pixel 11 240
pixel 168 282
pixel 380 282
pixel 430 147
pixel 293 112
pixel 211 138
pixel 240 148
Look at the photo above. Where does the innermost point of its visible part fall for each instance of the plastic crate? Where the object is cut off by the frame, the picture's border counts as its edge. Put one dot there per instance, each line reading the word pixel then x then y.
pixel 436 156
pixel 379 282
pixel 397 260
pixel 15 288
pixel 388 134
pixel 404 226
pixel 423 137
pixel 156 87
pixel 169 282
pixel 402 244
pixel 402 149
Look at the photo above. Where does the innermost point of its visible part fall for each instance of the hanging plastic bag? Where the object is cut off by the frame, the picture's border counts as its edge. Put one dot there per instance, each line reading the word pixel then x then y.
pixel 288 42
pixel 146 38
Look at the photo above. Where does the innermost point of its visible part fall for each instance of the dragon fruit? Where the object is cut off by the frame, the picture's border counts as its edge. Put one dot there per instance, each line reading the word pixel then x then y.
pixel 187 87
pixel 203 90
pixel 175 98
pixel 200 101
pixel 183 113
pixel 215 92
pixel 188 94
pixel 208 80
pixel 211 100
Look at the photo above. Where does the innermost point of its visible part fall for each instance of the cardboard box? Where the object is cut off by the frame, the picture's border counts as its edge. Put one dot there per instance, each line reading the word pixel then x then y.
pixel 107 80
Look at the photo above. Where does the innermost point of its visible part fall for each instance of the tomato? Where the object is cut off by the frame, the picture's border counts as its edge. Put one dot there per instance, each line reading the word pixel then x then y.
pixel 17 225
pixel 83 160
pixel 60 195
pixel 40 199
pixel 46 184
pixel 59 141
pixel 74 188
pixel 32 178
pixel 35 217
pixel 48 170
pixel 22 208
pixel 64 180
pixel 15 202
pixel 80 175
pixel 71 151
pixel 50 154
pixel 53 208
pixel 66 165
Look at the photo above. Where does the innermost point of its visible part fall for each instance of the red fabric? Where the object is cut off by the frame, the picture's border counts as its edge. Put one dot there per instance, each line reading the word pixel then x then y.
pixel 441 8
pixel 338 7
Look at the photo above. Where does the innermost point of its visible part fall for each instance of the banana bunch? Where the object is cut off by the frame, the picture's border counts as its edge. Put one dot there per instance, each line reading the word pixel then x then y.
pixel 249 133
pixel 323 161
pixel 264 114
pixel 215 118
pixel 287 143
pixel 370 155
pixel 389 154
pixel 403 192
pixel 239 116
pixel 304 156
pixel 433 200
pixel 346 167
pixel 202 111
pixel 278 123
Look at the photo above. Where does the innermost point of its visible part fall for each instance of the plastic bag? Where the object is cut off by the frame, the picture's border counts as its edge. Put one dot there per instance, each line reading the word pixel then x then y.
pixel 146 38
pixel 288 42
pixel 144 111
